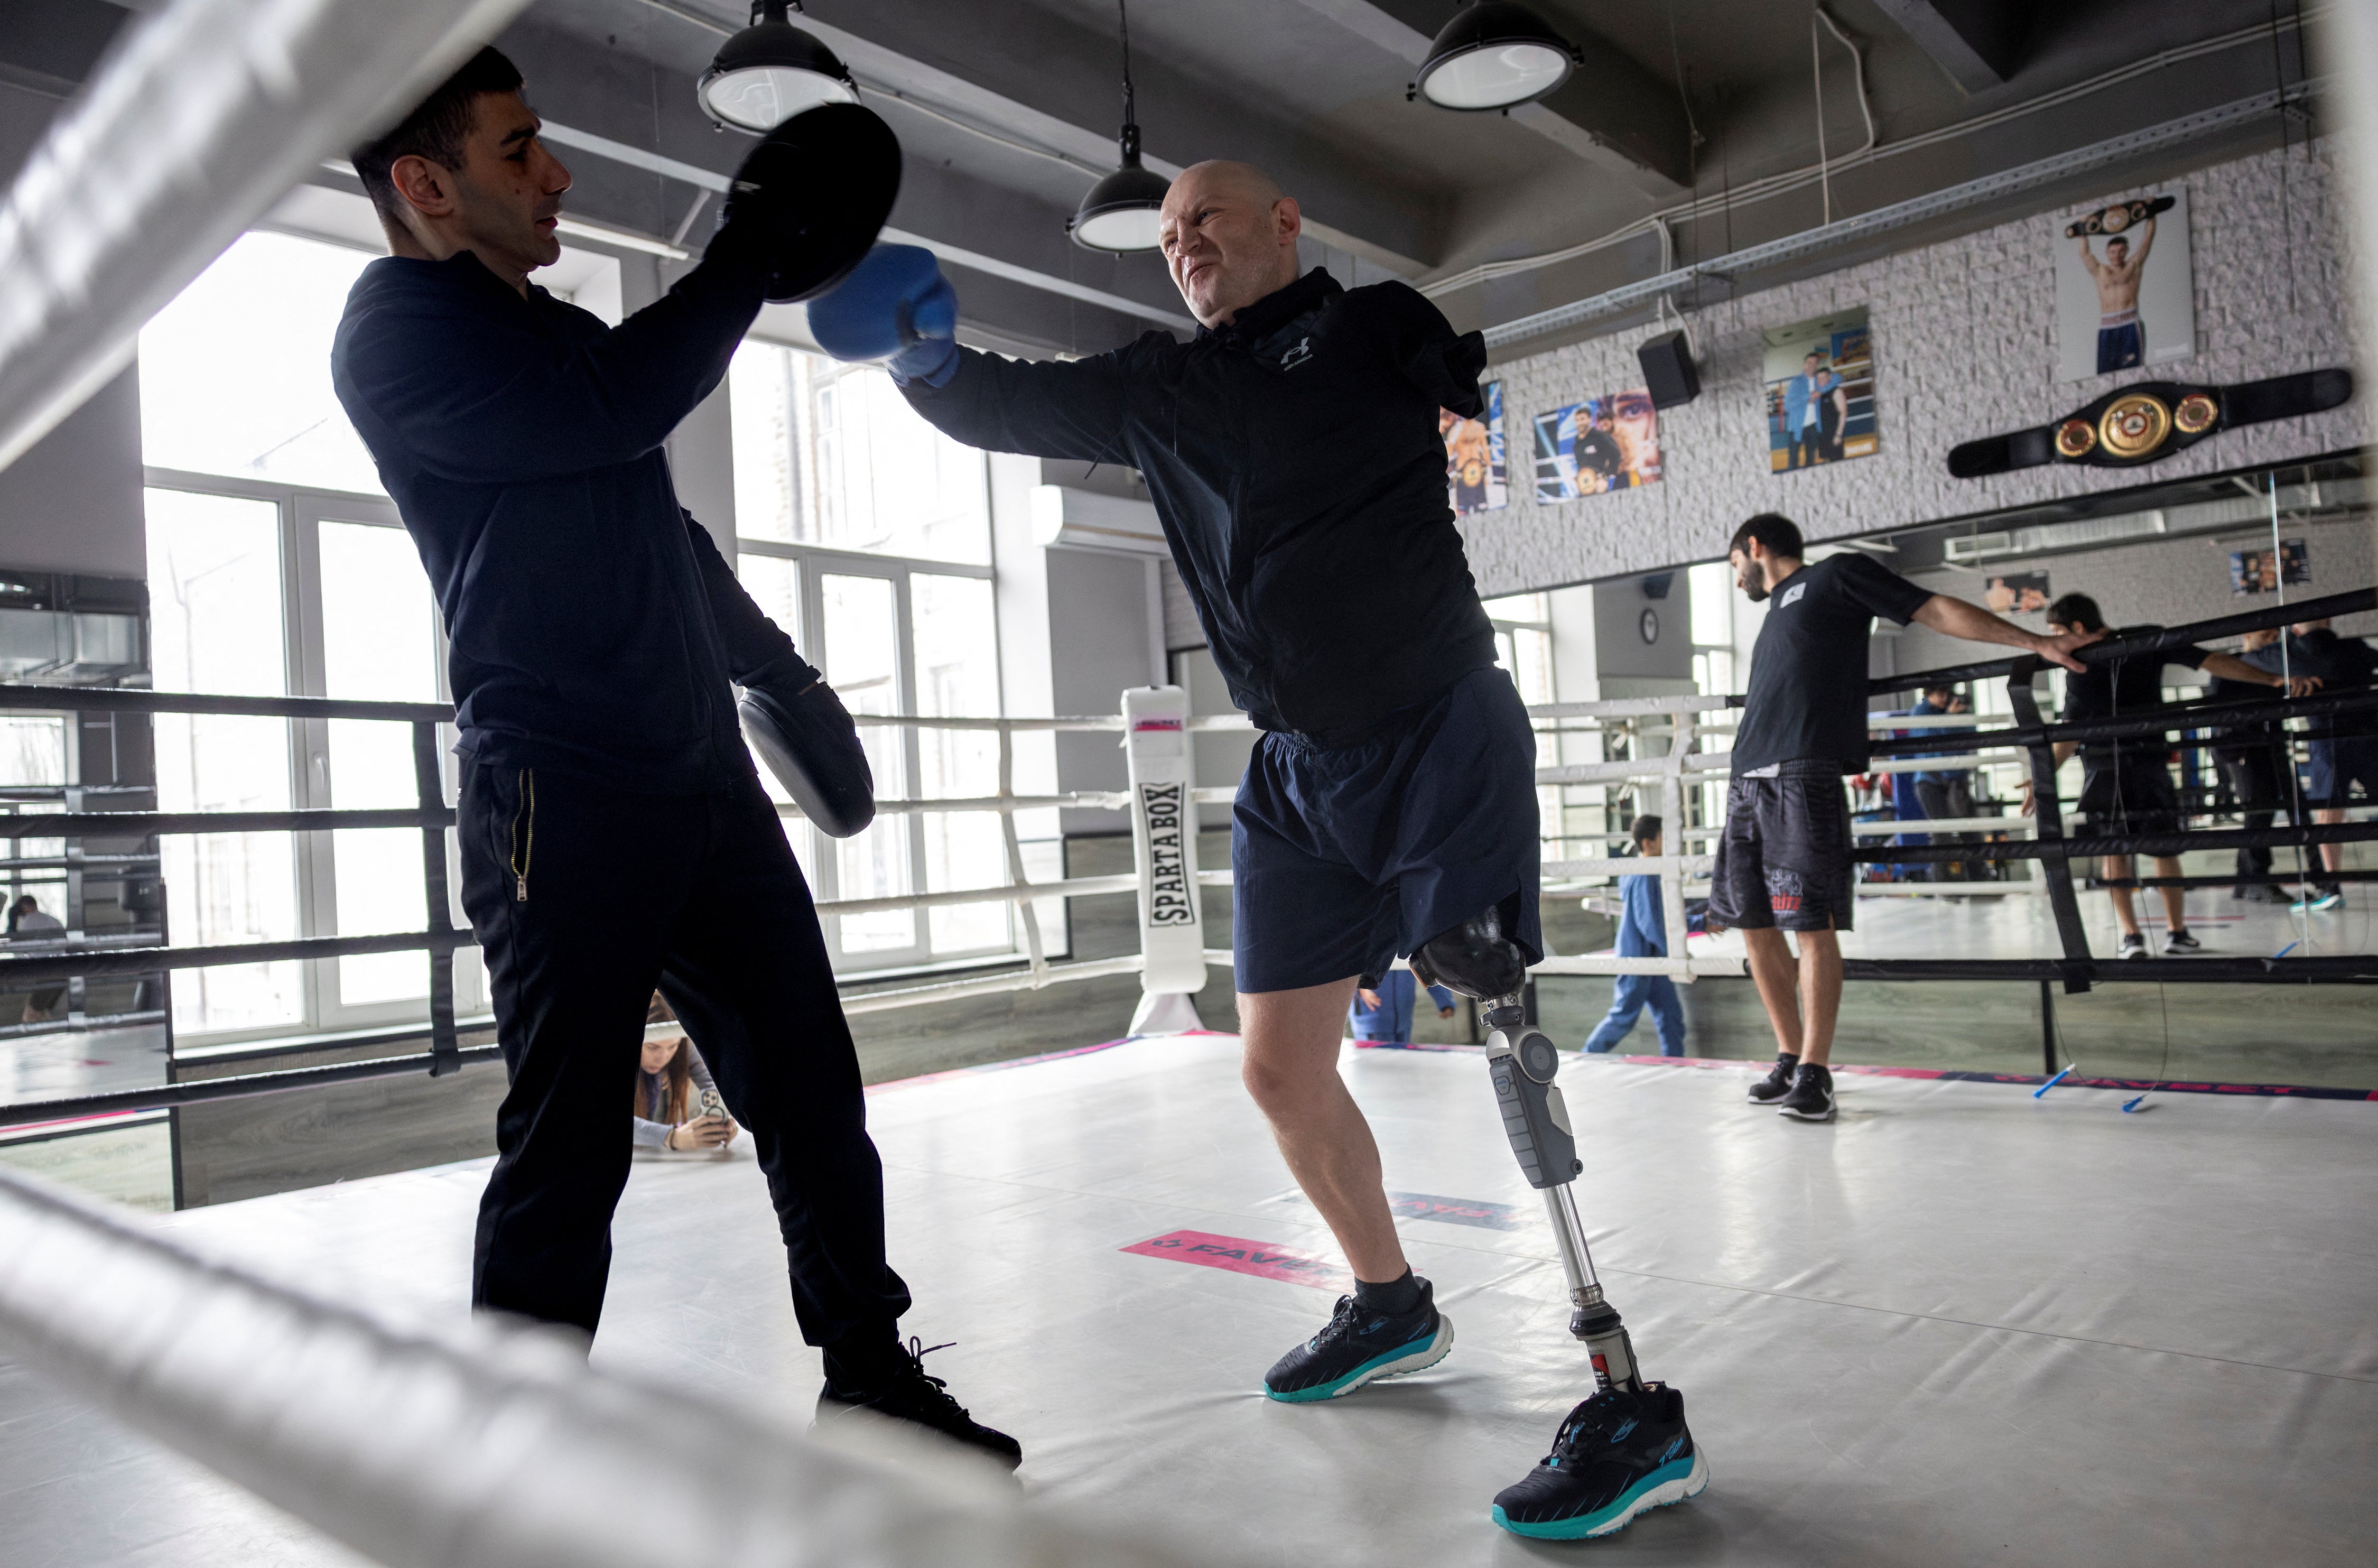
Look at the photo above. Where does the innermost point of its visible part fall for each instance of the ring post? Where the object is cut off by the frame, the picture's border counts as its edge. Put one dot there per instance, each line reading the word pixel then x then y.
pixel 1164 850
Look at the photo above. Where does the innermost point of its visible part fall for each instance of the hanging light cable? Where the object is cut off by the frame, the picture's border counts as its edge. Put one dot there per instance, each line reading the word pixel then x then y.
pixel 1119 212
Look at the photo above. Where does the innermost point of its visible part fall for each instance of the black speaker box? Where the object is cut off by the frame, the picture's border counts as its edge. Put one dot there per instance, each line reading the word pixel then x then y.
pixel 1667 362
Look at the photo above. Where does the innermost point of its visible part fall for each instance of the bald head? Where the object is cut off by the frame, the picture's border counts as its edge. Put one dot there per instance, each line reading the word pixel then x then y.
pixel 1229 235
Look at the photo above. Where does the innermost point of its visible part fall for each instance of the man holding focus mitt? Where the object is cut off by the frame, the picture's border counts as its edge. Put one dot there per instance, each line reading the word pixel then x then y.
pixel 595 630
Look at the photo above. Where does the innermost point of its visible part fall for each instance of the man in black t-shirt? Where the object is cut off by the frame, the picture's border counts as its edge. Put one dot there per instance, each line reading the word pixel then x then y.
pixel 1784 860
pixel 2342 749
pixel 2126 784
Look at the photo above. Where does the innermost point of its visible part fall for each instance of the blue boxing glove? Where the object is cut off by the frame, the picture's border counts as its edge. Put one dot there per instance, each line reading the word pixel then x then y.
pixel 895 306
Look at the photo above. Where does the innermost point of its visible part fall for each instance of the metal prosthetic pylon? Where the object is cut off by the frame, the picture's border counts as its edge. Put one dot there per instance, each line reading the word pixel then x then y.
pixel 1522 1062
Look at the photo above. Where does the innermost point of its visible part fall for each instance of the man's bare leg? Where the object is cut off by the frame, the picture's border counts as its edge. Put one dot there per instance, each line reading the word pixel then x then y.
pixel 2175 899
pixel 1776 973
pixel 1291 1040
pixel 1820 994
pixel 2114 868
pixel 2331 856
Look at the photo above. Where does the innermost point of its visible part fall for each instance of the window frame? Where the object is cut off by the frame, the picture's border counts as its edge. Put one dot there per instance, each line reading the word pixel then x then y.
pixel 302 512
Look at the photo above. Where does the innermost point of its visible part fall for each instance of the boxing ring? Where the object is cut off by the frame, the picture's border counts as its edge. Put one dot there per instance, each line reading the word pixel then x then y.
pixel 1962 1325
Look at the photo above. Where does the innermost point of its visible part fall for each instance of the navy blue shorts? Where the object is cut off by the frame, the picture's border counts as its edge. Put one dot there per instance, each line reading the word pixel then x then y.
pixel 1347 857
pixel 2337 764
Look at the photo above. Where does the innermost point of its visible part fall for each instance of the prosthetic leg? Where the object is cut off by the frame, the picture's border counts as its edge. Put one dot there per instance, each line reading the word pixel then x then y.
pixel 1627 1448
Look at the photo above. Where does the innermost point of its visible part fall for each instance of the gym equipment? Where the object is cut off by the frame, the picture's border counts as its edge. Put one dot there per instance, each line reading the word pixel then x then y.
pixel 2147 420
pixel 801 730
pixel 812 196
pixel 1476 960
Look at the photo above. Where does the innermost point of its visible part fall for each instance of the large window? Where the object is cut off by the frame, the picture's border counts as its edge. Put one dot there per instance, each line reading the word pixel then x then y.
pixel 277 567
pixel 866 534
pixel 1524 645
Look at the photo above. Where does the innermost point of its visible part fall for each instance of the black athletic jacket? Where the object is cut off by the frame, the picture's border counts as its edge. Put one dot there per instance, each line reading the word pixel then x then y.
pixel 595 626
pixel 1295 463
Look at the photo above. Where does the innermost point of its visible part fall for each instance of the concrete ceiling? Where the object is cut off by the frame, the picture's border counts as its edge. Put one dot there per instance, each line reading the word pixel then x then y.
pixel 1008 109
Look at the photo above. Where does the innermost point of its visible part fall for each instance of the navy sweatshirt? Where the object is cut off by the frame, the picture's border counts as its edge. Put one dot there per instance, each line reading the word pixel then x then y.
pixel 595 626
pixel 1295 463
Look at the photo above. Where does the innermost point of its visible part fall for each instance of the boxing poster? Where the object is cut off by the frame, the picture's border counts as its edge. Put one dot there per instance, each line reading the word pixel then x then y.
pixel 1820 377
pixel 1597 446
pixel 2125 297
pixel 2017 592
pixel 1477 473
pixel 2262 571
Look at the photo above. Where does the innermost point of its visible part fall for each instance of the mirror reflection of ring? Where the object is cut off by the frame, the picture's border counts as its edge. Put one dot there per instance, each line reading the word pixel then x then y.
pixel 2074 437
pixel 2134 425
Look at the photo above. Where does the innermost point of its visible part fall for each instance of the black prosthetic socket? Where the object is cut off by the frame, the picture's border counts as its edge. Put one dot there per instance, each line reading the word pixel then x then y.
pixel 1477 961
pixel 1395 1298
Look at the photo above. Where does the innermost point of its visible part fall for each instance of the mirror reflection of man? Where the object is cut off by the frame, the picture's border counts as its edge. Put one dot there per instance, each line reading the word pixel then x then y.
pixel 2120 342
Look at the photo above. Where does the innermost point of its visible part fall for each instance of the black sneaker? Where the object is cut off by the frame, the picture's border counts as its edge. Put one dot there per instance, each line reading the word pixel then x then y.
pixel 1359 1344
pixel 2180 943
pixel 915 1395
pixel 1617 1454
pixel 1778 1081
pixel 1811 1099
pixel 2134 945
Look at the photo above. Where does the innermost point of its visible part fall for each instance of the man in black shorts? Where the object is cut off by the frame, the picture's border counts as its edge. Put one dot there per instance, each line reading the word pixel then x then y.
pixel 2126 788
pixel 1784 861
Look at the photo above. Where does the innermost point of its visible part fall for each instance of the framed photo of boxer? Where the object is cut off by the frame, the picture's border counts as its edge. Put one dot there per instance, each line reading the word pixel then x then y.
pixel 2262 571
pixel 1820 377
pixel 2125 292
pixel 1477 464
pixel 1597 446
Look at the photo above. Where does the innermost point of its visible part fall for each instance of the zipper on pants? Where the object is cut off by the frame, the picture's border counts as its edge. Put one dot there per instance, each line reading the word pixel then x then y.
pixel 522 851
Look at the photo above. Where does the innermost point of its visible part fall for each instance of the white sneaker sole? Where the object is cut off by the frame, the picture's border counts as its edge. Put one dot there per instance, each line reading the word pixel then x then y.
pixel 1662 1496
pixel 1420 1360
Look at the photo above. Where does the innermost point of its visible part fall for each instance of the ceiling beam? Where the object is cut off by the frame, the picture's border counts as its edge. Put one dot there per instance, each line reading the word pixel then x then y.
pixel 1035 75
pixel 1977 43
pixel 1612 113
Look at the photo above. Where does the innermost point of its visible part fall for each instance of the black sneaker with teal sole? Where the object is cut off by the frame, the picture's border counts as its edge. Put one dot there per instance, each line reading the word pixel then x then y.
pixel 1618 1454
pixel 1360 1345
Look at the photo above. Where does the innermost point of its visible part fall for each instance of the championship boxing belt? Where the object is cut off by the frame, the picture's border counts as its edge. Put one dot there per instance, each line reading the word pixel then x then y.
pixel 2111 220
pixel 2149 421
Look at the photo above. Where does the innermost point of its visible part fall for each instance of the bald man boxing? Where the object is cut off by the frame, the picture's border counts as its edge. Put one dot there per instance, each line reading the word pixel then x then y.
pixel 1389 808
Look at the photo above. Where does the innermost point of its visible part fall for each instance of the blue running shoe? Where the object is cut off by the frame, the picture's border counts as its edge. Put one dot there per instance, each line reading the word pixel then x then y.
pixel 1359 1344
pixel 1617 1454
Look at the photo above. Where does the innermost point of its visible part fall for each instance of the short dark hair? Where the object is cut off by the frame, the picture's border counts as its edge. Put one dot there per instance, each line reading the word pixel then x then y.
pixel 1645 829
pixel 2078 611
pixel 436 129
pixel 1778 533
pixel 1940 687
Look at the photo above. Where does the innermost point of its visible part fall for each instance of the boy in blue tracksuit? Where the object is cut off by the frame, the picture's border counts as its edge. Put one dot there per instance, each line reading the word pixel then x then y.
pixel 1642 933
pixel 1385 1013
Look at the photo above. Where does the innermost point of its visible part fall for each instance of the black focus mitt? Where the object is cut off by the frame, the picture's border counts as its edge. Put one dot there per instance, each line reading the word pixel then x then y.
pixel 802 731
pixel 809 199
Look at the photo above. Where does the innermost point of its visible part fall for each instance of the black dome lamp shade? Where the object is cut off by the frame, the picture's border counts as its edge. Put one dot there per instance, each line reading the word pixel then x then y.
pixel 770 71
pixel 1493 55
pixel 1119 212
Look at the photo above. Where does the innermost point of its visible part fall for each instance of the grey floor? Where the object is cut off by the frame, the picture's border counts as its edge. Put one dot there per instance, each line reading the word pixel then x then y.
pixel 1957 1326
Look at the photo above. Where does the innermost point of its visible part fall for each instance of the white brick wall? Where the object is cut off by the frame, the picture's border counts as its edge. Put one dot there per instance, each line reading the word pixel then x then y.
pixel 1964 343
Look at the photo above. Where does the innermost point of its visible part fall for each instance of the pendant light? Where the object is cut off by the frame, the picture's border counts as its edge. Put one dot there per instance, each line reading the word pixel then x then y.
pixel 1119 212
pixel 770 71
pixel 1494 55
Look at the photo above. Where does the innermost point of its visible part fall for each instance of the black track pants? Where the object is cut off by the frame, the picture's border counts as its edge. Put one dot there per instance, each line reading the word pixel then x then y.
pixel 584 899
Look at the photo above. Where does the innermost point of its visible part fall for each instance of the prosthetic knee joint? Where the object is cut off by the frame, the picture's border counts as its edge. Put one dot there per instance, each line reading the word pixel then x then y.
pixel 1476 960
